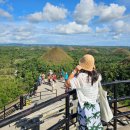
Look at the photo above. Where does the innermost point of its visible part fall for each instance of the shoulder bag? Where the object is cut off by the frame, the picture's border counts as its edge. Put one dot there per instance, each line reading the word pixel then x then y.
pixel 106 113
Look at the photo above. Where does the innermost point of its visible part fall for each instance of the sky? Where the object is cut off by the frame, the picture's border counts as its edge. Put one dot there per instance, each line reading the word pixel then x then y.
pixel 65 22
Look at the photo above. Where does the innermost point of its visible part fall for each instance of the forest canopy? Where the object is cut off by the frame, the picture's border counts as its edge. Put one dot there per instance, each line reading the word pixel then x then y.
pixel 21 66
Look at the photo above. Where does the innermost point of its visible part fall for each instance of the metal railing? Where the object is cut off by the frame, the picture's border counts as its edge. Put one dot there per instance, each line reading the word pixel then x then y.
pixel 69 116
pixel 9 108
pixel 21 102
pixel 117 113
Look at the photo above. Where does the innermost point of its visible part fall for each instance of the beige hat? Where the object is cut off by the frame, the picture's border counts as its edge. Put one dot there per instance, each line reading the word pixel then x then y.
pixel 87 62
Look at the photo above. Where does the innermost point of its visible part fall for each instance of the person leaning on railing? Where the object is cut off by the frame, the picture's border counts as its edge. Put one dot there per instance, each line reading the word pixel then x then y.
pixel 84 79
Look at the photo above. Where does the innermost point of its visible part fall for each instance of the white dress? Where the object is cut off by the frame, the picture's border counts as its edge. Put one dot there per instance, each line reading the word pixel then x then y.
pixel 88 107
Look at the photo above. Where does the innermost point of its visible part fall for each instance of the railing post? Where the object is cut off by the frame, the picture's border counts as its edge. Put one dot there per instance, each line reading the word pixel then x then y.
pixel 21 102
pixel 37 126
pixel 25 99
pixel 115 107
pixel 75 107
pixel 4 111
pixel 67 112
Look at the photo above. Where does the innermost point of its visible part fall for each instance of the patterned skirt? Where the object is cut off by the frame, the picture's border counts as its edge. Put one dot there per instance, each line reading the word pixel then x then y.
pixel 89 117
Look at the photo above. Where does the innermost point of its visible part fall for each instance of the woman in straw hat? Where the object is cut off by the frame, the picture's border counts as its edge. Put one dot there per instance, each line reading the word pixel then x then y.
pixel 84 79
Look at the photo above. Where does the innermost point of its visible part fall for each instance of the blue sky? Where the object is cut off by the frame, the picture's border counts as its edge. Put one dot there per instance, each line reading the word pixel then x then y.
pixel 69 22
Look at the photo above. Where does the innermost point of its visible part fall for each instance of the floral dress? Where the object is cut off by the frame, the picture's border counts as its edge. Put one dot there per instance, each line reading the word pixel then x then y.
pixel 89 117
pixel 88 108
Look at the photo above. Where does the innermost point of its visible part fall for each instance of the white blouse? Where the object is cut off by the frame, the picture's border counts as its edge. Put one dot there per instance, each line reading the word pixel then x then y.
pixel 85 91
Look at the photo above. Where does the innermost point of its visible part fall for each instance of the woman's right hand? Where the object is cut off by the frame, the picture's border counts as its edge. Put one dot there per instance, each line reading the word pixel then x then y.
pixel 78 68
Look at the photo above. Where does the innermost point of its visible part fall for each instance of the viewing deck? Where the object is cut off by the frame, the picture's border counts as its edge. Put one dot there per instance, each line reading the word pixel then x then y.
pixel 57 111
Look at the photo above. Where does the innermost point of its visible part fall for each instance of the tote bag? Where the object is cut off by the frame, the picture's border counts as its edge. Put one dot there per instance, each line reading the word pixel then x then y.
pixel 106 113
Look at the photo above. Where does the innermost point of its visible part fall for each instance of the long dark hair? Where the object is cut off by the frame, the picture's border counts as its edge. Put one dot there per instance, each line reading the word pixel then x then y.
pixel 93 74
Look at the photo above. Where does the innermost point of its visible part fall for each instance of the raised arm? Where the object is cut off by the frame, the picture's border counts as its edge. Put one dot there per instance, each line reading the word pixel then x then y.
pixel 71 76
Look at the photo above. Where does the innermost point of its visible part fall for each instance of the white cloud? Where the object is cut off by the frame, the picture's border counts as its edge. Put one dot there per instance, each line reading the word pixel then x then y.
pixel 120 27
pixel 108 13
pixel 50 13
pixel 13 32
pixel 117 37
pixel 84 11
pixel 72 28
pixel 105 20
pixel 35 17
pixel 22 32
pixel 102 30
pixel 5 14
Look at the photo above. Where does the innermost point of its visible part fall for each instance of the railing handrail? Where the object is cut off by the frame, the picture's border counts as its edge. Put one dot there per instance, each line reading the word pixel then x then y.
pixel 31 110
pixel 116 82
pixel 11 102
pixel 9 107
pixel 46 103
pixel 6 108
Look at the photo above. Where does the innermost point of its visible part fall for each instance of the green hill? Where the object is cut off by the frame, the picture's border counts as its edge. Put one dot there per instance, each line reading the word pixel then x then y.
pixel 121 51
pixel 126 60
pixel 90 51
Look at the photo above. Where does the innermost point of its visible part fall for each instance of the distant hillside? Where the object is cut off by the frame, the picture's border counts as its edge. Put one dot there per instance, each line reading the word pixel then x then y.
pixel 126 60
pixel 121 51
pixel 71 48
pixel 90 51
pixel 56 56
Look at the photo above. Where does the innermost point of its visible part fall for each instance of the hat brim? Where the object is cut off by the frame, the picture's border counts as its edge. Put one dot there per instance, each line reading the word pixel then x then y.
pixel 84 67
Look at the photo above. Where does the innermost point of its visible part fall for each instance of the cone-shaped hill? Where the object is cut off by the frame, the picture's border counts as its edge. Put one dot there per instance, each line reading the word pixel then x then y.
pixel 121 51
pixel 90 51
pixel 126 60
pixel 72 48
pixel 56 56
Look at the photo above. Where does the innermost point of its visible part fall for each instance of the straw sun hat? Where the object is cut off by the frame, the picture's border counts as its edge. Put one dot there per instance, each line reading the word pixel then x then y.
pixel 87 62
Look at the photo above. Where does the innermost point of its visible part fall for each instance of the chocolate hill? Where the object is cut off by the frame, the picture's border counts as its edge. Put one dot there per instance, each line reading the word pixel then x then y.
pixel 121 51
pixel 56 56
pixel 90 51
pixel 126 60
pixel 72 48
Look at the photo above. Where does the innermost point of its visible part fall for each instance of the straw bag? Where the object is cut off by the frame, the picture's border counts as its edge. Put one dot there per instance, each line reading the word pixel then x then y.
pixel 106 113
